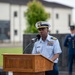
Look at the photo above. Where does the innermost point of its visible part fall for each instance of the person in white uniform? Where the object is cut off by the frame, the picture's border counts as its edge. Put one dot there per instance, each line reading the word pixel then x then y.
pixel 47 46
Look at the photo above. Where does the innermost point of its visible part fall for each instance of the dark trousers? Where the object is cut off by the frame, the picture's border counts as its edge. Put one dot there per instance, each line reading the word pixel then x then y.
pixel 70 63
pixel 54 71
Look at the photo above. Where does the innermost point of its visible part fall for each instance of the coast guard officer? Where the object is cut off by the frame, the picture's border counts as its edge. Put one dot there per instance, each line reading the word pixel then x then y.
pixel 47 46
pixel 69 42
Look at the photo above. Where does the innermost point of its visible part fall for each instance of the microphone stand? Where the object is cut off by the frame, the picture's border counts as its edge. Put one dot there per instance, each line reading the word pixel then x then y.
pixel 32 41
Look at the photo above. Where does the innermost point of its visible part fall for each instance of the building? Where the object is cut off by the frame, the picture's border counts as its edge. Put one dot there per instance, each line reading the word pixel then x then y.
pixel 13 22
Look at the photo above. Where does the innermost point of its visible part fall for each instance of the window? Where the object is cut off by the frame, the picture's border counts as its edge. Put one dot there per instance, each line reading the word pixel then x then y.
pixel 5 31
pixel 57 31
pixel 15 14
pixel 0 31
pixel 57 16
pixel 49 15
pixel 69 19
pixel 24 14
pixel 15 32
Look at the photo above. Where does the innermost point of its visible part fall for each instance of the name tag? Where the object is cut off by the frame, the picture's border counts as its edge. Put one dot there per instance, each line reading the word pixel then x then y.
pixel 50 43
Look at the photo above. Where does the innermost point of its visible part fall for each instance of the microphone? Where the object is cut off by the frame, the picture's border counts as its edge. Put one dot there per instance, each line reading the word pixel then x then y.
pixel 35 39
pixel 32 41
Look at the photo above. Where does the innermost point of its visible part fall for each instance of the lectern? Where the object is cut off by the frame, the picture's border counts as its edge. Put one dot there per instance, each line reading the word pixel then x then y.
pixel 26 64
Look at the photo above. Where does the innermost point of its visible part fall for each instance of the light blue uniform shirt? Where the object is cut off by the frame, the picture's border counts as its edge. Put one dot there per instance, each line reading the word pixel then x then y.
pixel 47 48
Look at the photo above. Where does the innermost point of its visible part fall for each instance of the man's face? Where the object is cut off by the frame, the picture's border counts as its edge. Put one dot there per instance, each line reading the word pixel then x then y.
pixel 43 31
pixel 72 31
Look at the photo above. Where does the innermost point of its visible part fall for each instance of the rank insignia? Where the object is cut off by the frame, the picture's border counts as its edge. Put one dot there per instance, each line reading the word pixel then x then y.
pixel 53 38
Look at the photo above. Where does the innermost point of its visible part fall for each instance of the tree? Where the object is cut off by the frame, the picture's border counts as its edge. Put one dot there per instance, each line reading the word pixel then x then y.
pixel 35 13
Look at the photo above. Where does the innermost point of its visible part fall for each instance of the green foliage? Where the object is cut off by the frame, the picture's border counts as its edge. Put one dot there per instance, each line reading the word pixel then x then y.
pixel 35 12
pixel 31 29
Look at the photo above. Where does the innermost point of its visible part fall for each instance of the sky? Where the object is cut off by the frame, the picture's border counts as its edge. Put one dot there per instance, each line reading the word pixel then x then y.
pixel 69 3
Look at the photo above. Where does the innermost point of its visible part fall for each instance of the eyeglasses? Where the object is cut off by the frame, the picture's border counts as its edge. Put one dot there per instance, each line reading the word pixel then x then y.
pixel 41 29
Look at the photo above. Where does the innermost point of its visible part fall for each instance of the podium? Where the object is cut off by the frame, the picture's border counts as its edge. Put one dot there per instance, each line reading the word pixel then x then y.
pixel 26 64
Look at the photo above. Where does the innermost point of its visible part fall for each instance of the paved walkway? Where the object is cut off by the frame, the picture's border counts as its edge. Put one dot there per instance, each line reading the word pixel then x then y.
pixel 11 45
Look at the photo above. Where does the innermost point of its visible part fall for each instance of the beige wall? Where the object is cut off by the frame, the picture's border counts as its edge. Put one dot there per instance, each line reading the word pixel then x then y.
pixel 18 23
pixel 4 11
pixel 60 24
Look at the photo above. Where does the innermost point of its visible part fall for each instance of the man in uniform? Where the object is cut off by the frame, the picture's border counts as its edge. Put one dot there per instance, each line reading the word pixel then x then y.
pixel 69 42
pixel 47 46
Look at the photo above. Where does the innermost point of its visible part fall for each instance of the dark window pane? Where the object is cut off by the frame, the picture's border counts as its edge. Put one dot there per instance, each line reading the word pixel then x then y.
pixel 57 31
pixel 69 19
pixel 0 30
pixel 6 31
pixel 15 14
pixel 57 16
pixel 15 32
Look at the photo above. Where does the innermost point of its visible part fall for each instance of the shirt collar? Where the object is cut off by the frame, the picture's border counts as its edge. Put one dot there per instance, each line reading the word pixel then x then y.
pixel 47 39
pixel 72 35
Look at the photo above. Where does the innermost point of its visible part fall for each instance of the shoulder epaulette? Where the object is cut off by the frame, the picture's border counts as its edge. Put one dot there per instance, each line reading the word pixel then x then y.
pixel 53 38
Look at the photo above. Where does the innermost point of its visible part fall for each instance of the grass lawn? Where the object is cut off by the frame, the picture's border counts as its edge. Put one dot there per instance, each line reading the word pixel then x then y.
pixel 9 50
